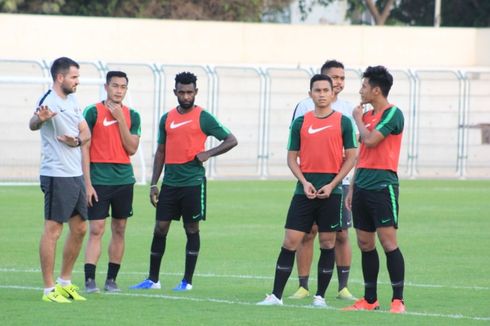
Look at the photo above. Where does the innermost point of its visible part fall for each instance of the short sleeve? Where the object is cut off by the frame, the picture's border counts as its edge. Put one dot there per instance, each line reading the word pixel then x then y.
pixel 391 122
pixel 135 122
pixel 212 127
pixel 294 143
pixel 162 133
pixel 348 133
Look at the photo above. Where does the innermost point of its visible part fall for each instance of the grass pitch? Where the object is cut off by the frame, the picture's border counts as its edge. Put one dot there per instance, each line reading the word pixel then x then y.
pixel 444 236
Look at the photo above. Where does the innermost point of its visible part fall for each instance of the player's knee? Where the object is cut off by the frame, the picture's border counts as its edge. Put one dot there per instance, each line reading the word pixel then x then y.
pixel 79 230
pixel 161 229
pixel 191 228
pixel 291 244
pixel 96 231
pixel 342 237
pixel 118 230
pixel 389 245
pixel 52 232
pixel 366 245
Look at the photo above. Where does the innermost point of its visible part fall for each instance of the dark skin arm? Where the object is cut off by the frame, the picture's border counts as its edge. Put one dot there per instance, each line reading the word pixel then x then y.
pixel 157 171
pixel 228 143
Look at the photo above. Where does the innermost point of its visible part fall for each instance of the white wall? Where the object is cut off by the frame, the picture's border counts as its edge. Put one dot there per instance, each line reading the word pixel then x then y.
pixel 166 41
pixel 482 47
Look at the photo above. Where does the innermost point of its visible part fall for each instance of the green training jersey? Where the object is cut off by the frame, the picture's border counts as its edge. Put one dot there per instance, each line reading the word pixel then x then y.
pixel 391 123
pixel 319 180
pixel 190 173
pixel 109 174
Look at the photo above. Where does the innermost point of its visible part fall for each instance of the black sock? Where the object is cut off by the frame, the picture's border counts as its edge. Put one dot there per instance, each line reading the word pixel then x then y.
pixel 370 269
pixel 157 251
pixel 343 275
pixel 325 270
pixel 112 270
pixel 303 281
pixel 89 271
pixel 191 252
pixel 284 266
pixel 396 269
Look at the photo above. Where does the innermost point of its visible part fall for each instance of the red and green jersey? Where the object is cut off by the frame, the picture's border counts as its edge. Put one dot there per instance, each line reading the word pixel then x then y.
pixel 377 166
pixel 184 136
pixel 109 162
pixel 321 143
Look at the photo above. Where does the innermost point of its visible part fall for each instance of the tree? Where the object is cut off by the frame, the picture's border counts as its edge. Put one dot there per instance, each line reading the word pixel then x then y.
pixel 380 10
pixel 224 10
pixel 463 13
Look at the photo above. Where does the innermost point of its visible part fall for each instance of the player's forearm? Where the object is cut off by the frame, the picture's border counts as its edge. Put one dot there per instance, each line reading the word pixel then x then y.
pixel 157 167
pixel 84 134
pixel 86 163
pixel 347 165
pixel 35 123
pixel 294 167
pixel 130 142
pixel 228 143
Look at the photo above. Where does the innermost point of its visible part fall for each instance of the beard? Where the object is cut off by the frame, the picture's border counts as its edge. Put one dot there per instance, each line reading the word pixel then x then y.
pixel 67 90
pixel 186 105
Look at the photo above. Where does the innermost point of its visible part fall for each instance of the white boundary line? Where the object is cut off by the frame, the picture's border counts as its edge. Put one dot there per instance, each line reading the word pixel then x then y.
pixel 259 277
pixel 245 303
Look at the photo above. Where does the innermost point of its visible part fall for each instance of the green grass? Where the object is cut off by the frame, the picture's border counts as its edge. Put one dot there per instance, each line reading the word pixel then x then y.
pixel 444 235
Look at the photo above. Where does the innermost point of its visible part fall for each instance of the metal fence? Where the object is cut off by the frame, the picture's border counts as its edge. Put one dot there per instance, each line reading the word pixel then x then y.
pixel 447 118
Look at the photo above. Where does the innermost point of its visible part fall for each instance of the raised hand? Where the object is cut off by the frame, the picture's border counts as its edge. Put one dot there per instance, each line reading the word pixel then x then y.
pixel 44 113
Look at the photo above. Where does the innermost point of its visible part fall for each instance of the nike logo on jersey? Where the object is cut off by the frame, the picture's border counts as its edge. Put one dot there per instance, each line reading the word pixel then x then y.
pixel 312 130
pixel 174 125
pixel 107 123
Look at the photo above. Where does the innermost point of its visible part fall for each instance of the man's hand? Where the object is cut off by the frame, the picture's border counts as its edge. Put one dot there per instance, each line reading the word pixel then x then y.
pixel 91 195
pixel 358 112
pixel 44 113
pixel 116 110
pixel 348 199
pixel 154 193
pixel 202 157
pixel 325 191
pixel 72 141
pixel 309 190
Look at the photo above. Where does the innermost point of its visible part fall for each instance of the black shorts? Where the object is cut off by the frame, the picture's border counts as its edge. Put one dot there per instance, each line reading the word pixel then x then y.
pixel 303 212
pixel 372 209
pixel 188 202
pixel 118 198
pixel 64 197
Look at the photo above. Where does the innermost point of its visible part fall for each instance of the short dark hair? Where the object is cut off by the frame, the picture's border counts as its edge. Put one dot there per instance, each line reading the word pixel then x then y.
pixel 185 78
pixel 378 76
pixel 318 77
pixel 114 73
pixel 331 64
pixel 62 65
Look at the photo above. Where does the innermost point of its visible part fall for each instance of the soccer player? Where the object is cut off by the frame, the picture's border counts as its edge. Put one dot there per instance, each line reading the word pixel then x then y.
pixel 324 142
pixel 373 194
pixel 109 176
pixel 181 149
pixel 343 251
pixel 63 130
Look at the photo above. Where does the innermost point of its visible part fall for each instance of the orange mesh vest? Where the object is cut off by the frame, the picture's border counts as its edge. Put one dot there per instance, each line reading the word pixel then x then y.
pixel 185 138
pixel 386 154
pixel 106 145
pixel 321 143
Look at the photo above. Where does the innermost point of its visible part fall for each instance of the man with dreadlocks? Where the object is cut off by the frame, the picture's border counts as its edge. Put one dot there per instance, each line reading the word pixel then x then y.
pixel 181 149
